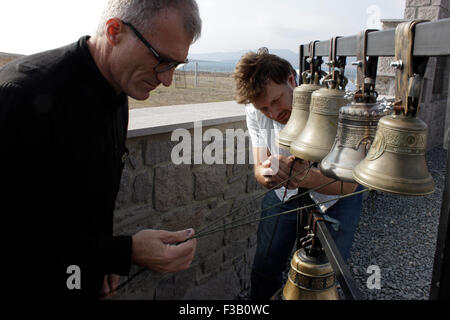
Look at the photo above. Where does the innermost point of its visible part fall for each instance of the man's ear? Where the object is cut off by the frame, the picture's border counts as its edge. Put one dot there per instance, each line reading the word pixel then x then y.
pixel 292 81
pixel 114 28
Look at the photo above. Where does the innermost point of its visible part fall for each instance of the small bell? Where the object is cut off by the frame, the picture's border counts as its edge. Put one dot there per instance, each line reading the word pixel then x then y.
pixel 311 277
pixel 300 111
pixel 317 139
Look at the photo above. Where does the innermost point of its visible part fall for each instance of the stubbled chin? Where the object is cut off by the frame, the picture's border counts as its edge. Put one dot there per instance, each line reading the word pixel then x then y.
pixel 141 96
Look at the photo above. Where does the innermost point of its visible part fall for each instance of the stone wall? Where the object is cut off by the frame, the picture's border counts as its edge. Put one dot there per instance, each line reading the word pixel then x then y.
pixel 434 100
pixel 157 194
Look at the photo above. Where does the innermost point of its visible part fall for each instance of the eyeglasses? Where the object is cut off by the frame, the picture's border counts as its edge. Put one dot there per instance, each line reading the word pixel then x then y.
pixel 163 64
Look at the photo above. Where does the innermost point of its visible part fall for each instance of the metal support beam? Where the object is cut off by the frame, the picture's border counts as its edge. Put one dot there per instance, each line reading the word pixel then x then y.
pixel 340 268
pixel 440 284
pixel 431 39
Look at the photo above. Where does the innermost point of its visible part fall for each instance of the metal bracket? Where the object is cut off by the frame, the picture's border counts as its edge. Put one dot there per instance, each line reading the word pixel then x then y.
pixel 366 70
pixel 310 67
pixel 335 77
pixel 340 268
pixel 408 83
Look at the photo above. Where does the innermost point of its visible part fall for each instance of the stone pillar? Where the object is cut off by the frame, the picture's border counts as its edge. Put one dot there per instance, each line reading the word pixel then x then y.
pixel 427 9
pixel 434 100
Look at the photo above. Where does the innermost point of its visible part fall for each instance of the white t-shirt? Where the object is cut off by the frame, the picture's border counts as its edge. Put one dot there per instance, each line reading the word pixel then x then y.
pixel 262 132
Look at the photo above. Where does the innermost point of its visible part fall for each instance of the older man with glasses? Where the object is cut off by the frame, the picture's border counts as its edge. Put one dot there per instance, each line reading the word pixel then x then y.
pixel 63 124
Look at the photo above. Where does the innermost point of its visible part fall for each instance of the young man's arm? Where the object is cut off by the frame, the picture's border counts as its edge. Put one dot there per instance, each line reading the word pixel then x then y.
pixel 270 171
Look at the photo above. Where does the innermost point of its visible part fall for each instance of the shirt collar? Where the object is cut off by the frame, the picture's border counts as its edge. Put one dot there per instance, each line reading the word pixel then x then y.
pixel 115 100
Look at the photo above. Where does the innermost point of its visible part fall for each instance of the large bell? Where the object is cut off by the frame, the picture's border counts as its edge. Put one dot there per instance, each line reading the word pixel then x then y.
pixel 396 161
pixel 356 131
pixel 311 277
pixel 300 112
pixel 317 139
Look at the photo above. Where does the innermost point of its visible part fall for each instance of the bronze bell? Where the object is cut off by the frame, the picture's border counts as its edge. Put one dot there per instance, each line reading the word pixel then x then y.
pixel 356 131
pixel 318 136
pixel 396 161
pixel 300 111
pixel 311 277
pixel 357 121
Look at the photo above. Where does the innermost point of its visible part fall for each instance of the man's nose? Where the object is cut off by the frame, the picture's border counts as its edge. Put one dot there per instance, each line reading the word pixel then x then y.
pixel 274 113
pixel 166 77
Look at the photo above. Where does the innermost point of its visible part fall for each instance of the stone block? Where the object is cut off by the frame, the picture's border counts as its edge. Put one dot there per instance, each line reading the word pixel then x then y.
pixel 209 244
pixel 141 287
pixel 218 212
pixel 225 286
pixel 134 159
pixel 123 196
pixel 251 253
pixel 241 232
pixel 417 3
pixel 235 249
pixel 132 215
pixel 236 189
pixel 428 13
pixel 209 181
pixel 142 188
pixel 204 278
pixel 173 187
pixel 252 184
pixel 174 287
pixel 384 66
pixel 213 262
pixel 183 218
pixel 442 3
pixel 410 13
pixel 157 152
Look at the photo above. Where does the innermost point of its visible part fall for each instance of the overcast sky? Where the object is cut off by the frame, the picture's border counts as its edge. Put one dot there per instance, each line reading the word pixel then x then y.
pixel 29 26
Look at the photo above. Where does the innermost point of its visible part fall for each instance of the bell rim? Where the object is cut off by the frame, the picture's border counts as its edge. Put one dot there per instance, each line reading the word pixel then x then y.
pixel 427 191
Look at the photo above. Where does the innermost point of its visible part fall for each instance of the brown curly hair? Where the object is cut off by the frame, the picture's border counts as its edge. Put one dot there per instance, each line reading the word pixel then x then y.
pixel 254 70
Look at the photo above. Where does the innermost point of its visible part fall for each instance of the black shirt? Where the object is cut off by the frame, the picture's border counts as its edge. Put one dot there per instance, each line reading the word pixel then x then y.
pixel 62 139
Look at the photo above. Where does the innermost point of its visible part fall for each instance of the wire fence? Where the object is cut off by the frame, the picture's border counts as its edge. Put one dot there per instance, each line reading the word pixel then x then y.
pixel 195 79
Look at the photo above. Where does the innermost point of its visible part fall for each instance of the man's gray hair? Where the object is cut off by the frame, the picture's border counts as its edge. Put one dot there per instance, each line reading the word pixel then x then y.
pixel 141 13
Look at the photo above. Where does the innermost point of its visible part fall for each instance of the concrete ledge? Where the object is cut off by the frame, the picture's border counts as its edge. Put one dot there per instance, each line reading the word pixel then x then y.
pixel 156 120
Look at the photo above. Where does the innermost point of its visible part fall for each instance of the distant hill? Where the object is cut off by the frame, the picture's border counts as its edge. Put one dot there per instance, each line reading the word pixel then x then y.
pixel 233 57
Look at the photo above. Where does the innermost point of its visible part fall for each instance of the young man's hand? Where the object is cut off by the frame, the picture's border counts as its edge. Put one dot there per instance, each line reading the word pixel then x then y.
pixel 276 169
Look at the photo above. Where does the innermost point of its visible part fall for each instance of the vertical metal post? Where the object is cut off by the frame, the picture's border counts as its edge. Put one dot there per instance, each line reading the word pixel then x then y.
pixel 440 283
pixel 301 64
pixel 196 72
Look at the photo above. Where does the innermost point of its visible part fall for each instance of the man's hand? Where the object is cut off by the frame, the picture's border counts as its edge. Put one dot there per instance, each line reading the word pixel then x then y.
pixel 276 169
pixel 157 250
pixel 110 284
